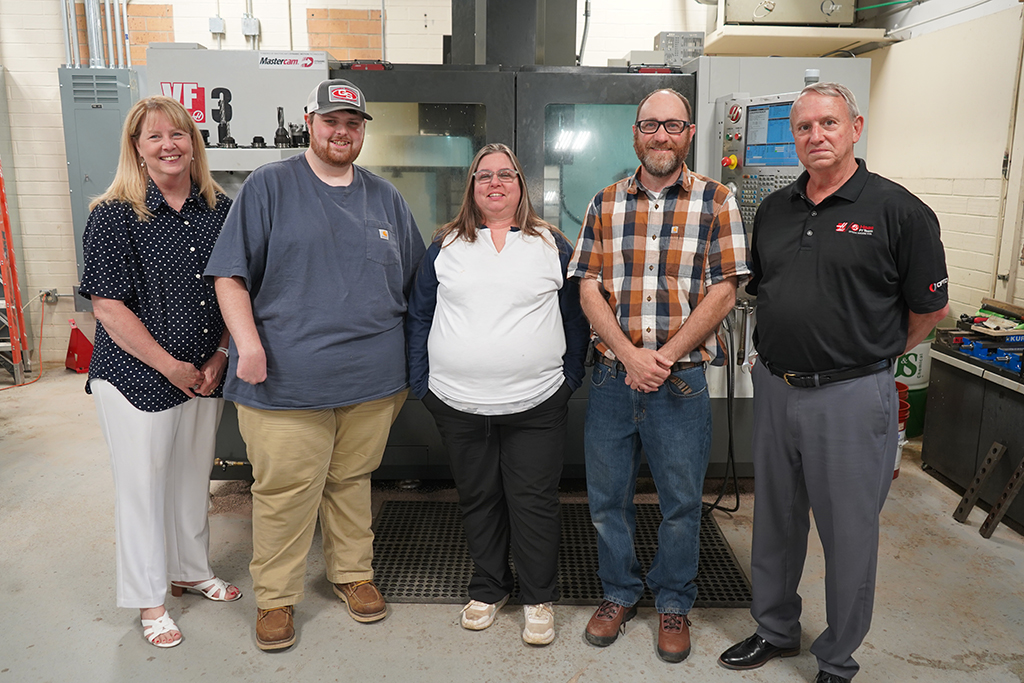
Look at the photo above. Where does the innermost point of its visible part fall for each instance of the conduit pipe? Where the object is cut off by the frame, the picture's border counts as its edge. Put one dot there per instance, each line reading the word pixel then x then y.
pixel 120 34
pixel 383 32
pixel 110 34
pixel 67 34
pixel 127 42
pixel 73 18
pixel 93 32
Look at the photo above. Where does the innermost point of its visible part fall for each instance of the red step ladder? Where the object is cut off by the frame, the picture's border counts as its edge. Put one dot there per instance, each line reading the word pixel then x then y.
pixel 13 340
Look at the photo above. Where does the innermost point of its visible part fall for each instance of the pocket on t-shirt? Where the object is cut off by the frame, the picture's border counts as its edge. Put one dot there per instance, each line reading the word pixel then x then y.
pixel 382 243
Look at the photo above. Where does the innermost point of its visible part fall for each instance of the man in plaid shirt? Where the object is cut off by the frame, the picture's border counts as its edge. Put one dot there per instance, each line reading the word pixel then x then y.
pixel 659 258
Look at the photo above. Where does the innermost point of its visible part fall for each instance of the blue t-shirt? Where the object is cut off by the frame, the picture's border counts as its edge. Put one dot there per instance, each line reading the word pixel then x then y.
pixel 328 270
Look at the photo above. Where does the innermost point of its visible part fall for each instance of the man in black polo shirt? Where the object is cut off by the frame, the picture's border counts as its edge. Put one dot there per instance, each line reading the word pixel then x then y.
pixel 849 273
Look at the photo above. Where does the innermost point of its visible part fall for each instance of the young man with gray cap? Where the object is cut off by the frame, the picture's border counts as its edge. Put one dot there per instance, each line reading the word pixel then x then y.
pixel 311 270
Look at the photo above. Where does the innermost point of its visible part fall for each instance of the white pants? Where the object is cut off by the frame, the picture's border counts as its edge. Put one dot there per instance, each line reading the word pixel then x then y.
pixel 161 464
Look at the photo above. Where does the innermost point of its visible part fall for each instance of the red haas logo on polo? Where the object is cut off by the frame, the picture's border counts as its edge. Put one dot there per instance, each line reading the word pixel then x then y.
pixel 343 93
pixel 855 228
pixel 191 96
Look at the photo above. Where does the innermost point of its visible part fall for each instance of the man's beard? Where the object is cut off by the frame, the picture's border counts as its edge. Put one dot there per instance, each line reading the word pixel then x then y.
pixel 331 156
pixel 661 165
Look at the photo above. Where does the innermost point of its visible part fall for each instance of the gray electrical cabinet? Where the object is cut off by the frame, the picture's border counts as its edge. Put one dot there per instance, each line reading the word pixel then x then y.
pixel 94 103
pixel 788 12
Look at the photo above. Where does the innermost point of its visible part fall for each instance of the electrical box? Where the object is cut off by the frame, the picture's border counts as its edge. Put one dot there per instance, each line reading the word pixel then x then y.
pixel 680 46
pixel 94 103
pixel 788 12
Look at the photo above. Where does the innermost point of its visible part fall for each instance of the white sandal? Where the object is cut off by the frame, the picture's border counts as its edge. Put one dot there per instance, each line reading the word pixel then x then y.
pixel 154 628
pixel 212 589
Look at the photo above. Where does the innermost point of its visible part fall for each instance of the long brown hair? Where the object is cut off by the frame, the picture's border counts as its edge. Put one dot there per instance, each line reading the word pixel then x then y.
pixel 131 178
pixel 466 222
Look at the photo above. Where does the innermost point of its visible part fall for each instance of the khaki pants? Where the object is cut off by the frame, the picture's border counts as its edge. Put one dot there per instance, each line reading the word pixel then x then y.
pixel 304 461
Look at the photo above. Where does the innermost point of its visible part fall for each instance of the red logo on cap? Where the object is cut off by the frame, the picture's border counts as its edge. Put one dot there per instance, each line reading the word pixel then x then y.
pixel 343 93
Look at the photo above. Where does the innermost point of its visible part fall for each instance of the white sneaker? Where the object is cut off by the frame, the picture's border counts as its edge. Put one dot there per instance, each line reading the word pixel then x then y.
pixel 476 616
pixel 540 624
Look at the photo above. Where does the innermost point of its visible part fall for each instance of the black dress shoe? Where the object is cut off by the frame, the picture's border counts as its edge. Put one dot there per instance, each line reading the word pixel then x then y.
pixel 754 652
pixel 826 677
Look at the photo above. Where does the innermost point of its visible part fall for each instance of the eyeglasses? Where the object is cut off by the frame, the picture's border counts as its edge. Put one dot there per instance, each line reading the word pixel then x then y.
pixel 505 175
pixel 672 126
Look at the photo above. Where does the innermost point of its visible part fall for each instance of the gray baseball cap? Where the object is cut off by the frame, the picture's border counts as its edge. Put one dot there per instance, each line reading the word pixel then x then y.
pixel 335 95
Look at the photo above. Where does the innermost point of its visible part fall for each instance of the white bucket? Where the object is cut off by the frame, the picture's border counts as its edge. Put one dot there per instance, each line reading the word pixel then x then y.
pixel 913 367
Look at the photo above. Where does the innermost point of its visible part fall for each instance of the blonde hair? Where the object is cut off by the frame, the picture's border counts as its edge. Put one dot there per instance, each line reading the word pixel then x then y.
pixel 464 225
pixel 132 178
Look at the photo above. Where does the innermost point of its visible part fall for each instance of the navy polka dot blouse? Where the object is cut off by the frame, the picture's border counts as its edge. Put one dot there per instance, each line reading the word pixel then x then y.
pixel 156 268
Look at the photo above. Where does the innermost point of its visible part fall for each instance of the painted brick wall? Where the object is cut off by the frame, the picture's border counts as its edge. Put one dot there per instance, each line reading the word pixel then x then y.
pixel 31 49
pixel 345 33
pixel 617 28
pixel 967 209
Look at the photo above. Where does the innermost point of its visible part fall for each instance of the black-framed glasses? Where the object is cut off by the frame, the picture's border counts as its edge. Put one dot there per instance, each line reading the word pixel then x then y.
pixel 505 175
pixel 672 126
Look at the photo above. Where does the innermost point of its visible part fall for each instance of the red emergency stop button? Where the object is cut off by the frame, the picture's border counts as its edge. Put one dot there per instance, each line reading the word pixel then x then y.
pixel 730 162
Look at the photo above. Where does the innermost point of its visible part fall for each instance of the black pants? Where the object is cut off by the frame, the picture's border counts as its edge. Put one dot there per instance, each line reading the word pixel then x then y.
pixel 506 469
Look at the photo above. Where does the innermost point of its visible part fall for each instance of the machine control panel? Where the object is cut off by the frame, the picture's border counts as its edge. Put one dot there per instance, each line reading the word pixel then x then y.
pixel 758 150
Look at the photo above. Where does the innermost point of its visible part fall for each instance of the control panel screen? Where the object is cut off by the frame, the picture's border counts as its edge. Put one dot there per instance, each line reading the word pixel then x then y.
pixel 769 139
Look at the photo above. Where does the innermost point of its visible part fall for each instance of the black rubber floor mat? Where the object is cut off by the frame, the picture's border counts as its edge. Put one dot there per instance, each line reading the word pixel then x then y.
pixel 420 556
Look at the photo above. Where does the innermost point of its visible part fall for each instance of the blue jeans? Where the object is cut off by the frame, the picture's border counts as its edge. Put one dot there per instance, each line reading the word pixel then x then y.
pixel 673 426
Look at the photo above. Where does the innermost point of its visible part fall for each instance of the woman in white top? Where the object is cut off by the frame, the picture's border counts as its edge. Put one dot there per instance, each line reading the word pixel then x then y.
pixel 496 342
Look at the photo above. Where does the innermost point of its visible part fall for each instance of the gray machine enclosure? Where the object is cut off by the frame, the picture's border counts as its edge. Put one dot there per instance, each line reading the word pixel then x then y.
pixel 490 104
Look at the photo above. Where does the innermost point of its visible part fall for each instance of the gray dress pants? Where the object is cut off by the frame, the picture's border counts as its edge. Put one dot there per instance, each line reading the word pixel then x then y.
pixel 829 449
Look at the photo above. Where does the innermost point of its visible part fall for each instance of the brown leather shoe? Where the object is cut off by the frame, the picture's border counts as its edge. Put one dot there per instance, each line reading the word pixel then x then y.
pixel 365 603
pixel 674 637
pixel 275 629
pixel 607 623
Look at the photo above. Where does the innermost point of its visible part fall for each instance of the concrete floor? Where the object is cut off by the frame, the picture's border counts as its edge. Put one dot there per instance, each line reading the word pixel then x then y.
pixel 949 606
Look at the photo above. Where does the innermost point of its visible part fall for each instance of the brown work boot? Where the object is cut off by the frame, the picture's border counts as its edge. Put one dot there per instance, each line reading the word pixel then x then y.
pixel 607 623
pixel 674 637
pixel 275 629
pixel 365 603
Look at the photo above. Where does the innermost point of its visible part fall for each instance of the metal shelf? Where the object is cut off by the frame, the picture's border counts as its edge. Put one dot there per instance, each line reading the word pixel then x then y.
pixel 790 41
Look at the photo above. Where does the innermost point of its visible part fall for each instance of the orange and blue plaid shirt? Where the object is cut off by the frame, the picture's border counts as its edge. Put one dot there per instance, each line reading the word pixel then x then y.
pixel 655 255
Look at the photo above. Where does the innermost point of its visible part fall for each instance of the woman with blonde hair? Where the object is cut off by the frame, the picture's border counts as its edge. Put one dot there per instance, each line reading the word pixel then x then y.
pixel 159 358
pixel 496 342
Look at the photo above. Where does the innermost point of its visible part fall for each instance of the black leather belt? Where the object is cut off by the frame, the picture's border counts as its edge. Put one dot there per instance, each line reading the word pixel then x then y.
pixel 676 367
pixel 806 380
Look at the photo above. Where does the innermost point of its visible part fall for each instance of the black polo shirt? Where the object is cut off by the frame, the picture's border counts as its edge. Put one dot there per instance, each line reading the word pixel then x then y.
pixel 155 267
pixel 835 282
